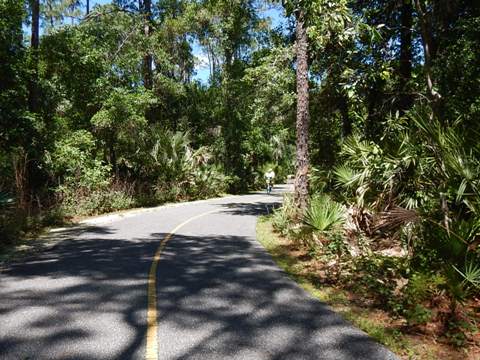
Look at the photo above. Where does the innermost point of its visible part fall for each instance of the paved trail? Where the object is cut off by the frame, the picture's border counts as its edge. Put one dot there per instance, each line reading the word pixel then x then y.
pixel 218 294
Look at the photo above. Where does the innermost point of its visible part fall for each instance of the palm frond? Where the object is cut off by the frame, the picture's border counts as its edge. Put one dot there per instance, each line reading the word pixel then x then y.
pixel 471 274
pixel 346 176
pixel 324 214
pixel 394 218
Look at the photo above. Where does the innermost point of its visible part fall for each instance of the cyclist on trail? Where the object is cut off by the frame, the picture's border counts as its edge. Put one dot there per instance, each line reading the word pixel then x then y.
pixel 270 176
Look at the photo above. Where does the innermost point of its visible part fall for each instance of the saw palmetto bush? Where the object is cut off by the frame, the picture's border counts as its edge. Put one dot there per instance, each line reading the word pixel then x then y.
pixel 454 194
pixel 323 226
pixel 372 177
pixel 184 172
pixel 207 181
pixel 323 214
pixel 426 174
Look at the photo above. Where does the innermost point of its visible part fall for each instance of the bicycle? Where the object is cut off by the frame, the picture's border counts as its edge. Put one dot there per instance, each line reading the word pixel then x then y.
pixel 269 187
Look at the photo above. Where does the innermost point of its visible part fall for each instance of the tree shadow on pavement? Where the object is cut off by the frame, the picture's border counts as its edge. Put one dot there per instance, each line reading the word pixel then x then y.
pixel 222 297
pixel 251 209
pixel 219 297
pixel 60 303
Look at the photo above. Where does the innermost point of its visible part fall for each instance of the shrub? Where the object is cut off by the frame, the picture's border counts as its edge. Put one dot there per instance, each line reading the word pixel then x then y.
pixel 80 203
pixel 428 166
pixel 319 180
pixel 376 275
pixel 323 214
pixel 167 192
pixel 418 315
pixel 73 162
pixel 422 286
pixel 208 181
pixel 283 216
pixel 420 289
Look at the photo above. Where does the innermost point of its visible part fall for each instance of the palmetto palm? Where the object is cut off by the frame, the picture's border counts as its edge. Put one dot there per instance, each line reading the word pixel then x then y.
pixel 324 214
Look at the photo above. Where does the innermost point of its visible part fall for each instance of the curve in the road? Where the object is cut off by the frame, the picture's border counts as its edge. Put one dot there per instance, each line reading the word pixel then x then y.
pixel 218 293
pixel 152 321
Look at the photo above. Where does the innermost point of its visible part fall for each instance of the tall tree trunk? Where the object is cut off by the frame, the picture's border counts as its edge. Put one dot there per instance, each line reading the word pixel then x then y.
pixel 50 15
pixel 35 41
pixel 428 51
pixel 147 58
pixel 303 115
pixel 405 69
pixel 88 7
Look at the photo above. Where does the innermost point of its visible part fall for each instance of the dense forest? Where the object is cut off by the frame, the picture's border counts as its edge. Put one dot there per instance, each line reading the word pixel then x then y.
pixel 374 105
pixel 102 112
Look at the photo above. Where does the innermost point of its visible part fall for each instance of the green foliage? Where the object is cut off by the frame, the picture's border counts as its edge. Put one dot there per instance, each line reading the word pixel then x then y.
pixel 420 289
pixel 319 180
pixel 272 80
pixel 72 159
pixel 208 181
pixel 179 172
pixel 324 214
pixel 374 276
pixel 428 167
pixel 173 156
pixel 122 111
pixel 419 314
pixel 6 201
pixel 325 19
pixel 187 172
pixel 470 275
pixel 283 217
pixel 13 118
pixel 75 203
pixel 10 226
pixel 458 72
pixel 84 182
pixel 457 330
pixel 422 286
pixel 96 123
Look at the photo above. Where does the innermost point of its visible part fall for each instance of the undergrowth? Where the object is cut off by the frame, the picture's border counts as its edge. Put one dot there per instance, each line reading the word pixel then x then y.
pixel 371 292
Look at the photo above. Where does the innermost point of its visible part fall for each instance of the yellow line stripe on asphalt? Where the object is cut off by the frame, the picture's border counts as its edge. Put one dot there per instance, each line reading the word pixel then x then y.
pixel 152 326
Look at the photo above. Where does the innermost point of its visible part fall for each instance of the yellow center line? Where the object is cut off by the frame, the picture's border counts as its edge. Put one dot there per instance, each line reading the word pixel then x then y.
pixel 152 326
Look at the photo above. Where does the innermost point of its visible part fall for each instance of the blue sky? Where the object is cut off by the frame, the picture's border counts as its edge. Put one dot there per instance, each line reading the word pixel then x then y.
pixel 275 13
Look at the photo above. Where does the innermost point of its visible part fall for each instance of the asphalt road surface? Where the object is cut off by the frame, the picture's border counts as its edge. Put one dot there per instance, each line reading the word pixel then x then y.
pixel 219 294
